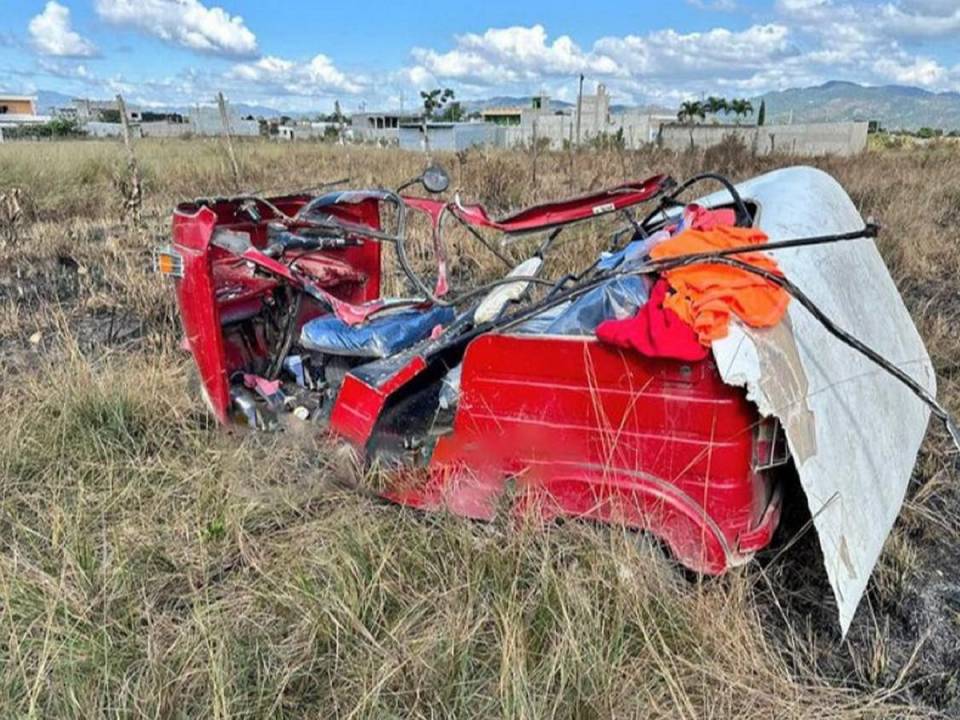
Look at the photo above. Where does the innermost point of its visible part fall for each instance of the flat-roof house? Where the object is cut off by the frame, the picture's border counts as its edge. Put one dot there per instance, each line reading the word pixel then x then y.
pixel 503 116
pixel 380 126
pixel 18 110
pixel 18 105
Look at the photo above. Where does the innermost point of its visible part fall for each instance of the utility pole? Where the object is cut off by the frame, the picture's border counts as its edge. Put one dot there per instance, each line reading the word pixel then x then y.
pixel 579 107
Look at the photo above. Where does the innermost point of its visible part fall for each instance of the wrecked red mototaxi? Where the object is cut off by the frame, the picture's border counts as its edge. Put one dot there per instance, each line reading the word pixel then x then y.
pixel 669 384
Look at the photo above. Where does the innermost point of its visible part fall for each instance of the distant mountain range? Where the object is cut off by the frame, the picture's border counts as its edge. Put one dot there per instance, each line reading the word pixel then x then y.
pixel 49 99
pixel 894 106
pixel 508 101
pixel 526 101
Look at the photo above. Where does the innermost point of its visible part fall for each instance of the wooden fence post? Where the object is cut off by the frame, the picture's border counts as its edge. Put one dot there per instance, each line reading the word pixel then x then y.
pixel 225 123
pixel 535 149
pixel 133 196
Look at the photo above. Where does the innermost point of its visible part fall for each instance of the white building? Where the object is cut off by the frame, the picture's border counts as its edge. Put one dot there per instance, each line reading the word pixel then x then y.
pixel 383 127
pixel 449 135
pixel 19 110
pixel 523 126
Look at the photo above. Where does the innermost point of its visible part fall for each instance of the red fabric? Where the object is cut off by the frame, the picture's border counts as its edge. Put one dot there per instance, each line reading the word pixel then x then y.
pixel 707 294
pixel 655 331
pixel 697 217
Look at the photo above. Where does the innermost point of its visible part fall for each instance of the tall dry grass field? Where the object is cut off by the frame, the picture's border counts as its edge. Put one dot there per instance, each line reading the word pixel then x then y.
pixel 153 565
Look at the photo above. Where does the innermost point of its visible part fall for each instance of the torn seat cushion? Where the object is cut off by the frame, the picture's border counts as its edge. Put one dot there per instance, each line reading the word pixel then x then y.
pixel 378 337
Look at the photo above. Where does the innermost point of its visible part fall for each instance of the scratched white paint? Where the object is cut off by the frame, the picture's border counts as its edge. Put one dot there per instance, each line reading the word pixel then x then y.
pixel 868 426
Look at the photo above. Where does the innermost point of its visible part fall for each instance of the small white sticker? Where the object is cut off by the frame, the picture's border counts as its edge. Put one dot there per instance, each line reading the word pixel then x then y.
pixel 605 208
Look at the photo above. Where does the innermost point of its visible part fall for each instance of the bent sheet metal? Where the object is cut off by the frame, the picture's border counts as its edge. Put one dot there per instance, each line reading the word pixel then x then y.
pixel 854 431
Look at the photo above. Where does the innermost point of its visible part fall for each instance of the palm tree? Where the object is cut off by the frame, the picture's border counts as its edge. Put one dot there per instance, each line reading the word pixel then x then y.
pixel 691 109
pixel 716 105
pixel 741 108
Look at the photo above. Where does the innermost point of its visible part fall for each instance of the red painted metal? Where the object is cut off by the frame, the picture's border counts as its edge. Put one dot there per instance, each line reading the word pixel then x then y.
pixel 434 209
pixel 218 288
pixel 556 426
pixel 584 430
pixel 549 215
pixel 199 312
pixel 359 404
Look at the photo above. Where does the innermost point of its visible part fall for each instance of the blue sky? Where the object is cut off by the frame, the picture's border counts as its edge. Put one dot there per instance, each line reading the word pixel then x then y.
pixel 304 55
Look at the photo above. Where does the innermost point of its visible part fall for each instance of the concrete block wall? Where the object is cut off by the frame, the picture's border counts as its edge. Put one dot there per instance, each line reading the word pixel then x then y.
pixel 841 138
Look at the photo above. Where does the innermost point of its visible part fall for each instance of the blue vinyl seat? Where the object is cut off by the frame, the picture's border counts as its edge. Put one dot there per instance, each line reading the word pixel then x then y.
pixel 379 337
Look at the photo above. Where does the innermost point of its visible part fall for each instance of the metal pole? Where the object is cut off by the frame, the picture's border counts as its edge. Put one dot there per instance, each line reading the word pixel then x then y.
pixel 579 107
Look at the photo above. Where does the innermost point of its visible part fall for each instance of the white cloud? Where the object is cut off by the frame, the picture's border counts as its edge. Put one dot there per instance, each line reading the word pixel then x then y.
pixel 864 41
pixel 68 71
pixel 714 5
pixel 921 18
pixel 510 55
pixel 917 71
pixel 799 43
pixel 317 77
pixel 669 53
pixel 188 23
pixel 659 64
pixel 802 7
pixel 52 35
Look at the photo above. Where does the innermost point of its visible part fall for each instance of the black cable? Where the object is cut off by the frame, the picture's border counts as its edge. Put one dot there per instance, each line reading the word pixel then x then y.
pixel 658 266
pixel 870 230
pixel 921 392
pixel 722 257
pixel 743 215
pixel 483 241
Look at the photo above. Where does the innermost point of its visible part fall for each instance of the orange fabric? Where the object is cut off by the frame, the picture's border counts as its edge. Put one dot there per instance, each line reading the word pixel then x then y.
pixel 706 295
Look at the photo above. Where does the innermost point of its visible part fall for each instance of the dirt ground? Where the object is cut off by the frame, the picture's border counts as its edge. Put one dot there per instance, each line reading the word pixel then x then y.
pixel 148 569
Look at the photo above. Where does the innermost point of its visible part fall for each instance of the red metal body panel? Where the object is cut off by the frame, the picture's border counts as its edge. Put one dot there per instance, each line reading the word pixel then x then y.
pixel 217 288
pixel 359 405
pixel 590 431
pixel 559 426
pixel 549 215
pixel 199 313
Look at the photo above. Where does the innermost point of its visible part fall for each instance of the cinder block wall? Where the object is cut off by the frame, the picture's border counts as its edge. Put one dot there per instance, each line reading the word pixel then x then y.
pixel 841 138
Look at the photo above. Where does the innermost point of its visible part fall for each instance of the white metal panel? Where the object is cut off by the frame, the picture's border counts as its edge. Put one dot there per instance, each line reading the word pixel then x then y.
pixel 854 431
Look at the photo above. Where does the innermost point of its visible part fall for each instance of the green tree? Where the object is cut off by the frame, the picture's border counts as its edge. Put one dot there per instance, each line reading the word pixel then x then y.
pixel 690 110
pixel 741 108
pixel 452 113
pixel 433 102
pixel 762 113
pixel 716 105
pixel 65 127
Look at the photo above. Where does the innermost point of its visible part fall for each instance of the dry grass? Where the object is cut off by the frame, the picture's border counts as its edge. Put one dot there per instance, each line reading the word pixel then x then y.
pixel 152 565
